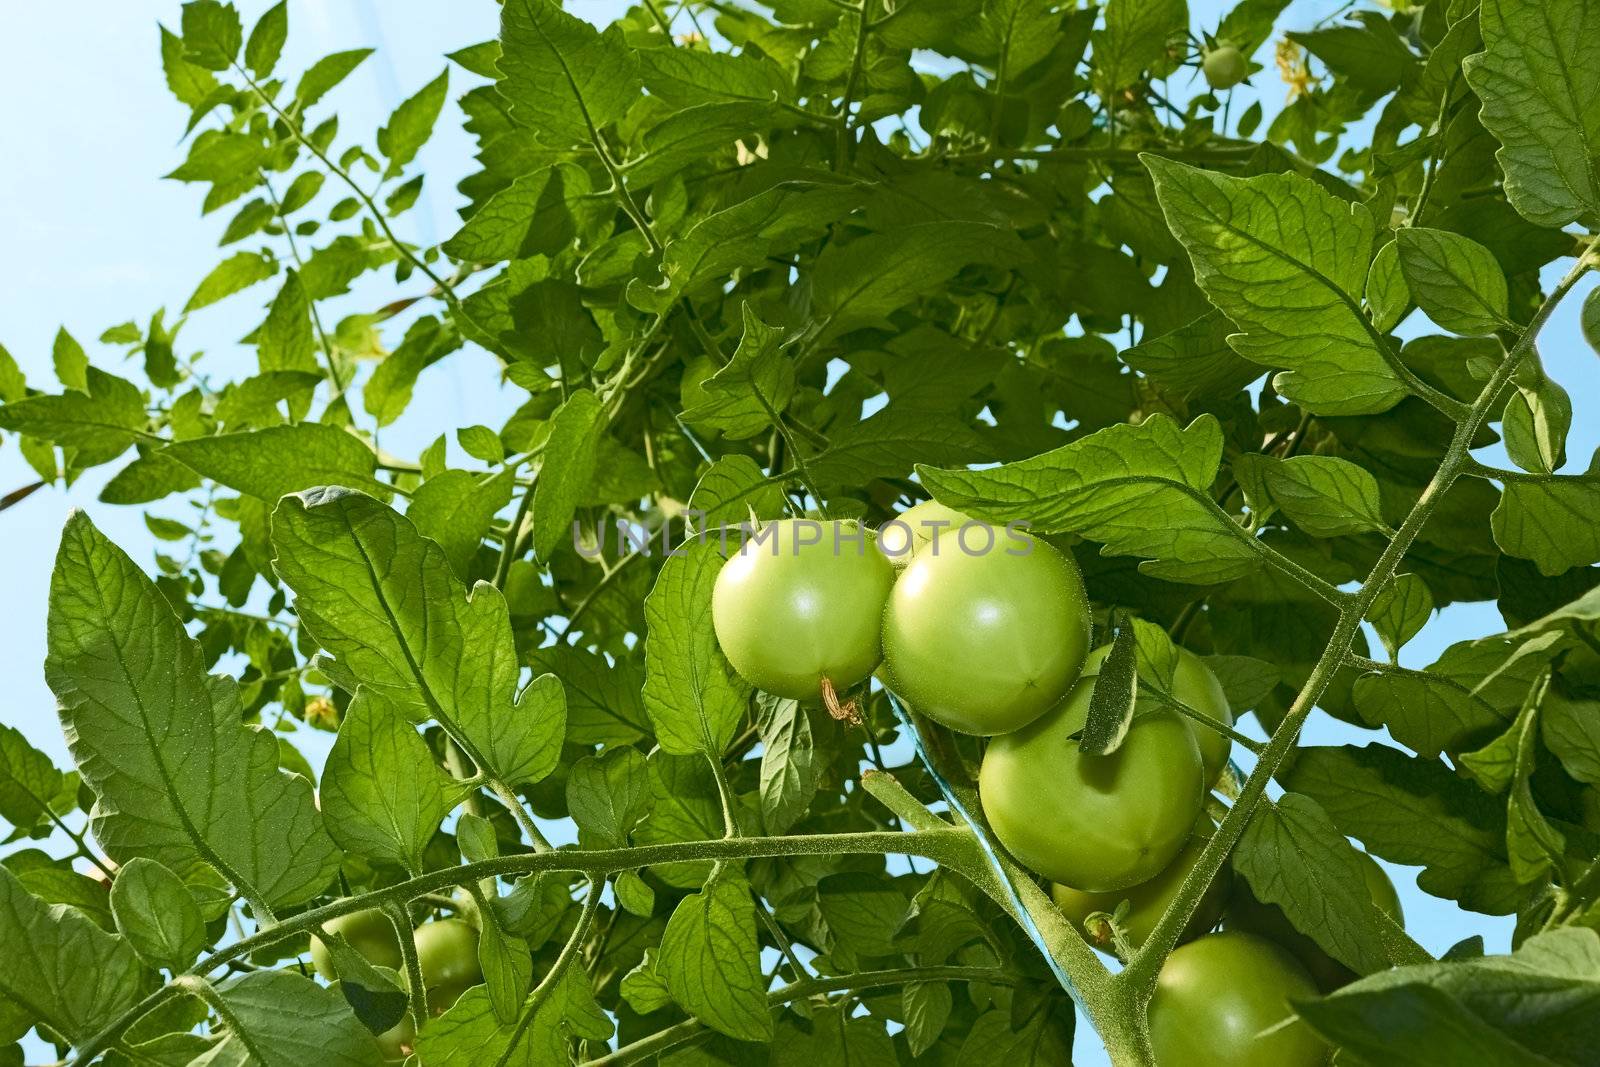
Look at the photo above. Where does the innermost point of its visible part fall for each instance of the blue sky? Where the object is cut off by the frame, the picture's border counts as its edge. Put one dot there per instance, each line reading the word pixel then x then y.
pixel 95 237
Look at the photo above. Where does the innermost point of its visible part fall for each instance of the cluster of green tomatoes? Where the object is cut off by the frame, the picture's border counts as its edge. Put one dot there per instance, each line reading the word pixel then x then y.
pixel 447 957
pixel 987 631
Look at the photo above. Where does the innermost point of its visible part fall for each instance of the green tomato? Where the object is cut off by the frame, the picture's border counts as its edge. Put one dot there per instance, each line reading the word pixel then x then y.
pixel 1246 912
pixel 447 954
pixel 395 1043
pixel 906 534
pixel 1216 996
pixel 790 611
pixel 1095 823
pixel 1195 685
pixel 369 933
pixel 1224 67
pixel 1147 901
pixel 986 643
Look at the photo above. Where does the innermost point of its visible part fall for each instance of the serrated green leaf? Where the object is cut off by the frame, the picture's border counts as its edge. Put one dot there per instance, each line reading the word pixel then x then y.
pixel 684 77
pixel 481 443
pixel 1539 80
pixel 926 1006
pixel 608 794
pixel 326 73
pixel 409 128
pixel 237 272
pixel 1136 37
pixel 1387 294
pixel 261 52
pixel 859 283
pixel 1532 1008
pixel 284 341
pixel 1535 423
pixel 605 705
pixel 1571 731
pixel 279 460
pixel 1325 496
pixel 1140 490
pixel 1418 813
pixel 1400 611
pixel 534 214
pixel 211 34
pixel 457 508
pixel 157 915
pixel 29 782
pixel 381 599
pixel 1453 279
pixel 189 82
pixel 710 960
pixel 129 679
pixel 61 969
pixel 1293 856
pixel 383 793
pixel 563 78
pixel 101 421
pixel 1195 360
pixel 730 491
pixel 282 1019
pixel 791 764
pixel 748 393
pixel 691 693
pixel 71 362
pixel 1552 520
pixel 1287 262
pixel 567 469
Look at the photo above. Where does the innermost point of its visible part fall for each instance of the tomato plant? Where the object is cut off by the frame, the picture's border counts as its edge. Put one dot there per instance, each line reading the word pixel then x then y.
pixel 1249 383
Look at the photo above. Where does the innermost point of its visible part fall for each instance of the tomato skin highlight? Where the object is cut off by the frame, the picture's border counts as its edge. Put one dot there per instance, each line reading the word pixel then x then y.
pixel 1215 997
pixel 1247 913
pixel 369 933
pixel 788 614
pixel 1094 823
pixel 987 643
pixel 447 955
pixel 1149 899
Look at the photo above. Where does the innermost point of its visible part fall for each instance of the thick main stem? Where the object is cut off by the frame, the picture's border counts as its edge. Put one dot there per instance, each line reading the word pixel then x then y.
pixel 1137 982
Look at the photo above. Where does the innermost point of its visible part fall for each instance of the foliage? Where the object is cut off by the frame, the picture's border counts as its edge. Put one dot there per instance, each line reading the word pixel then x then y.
pixel 838 256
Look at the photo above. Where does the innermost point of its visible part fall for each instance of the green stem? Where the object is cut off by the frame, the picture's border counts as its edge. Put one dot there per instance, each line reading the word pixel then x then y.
pixel 552 977
pixel 1137 982
pixel 416 994
pixel 842 140
pixel 403 250
pixel 951 848
pixel 316 317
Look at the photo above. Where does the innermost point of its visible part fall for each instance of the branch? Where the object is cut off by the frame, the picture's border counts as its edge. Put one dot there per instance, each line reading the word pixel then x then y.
pixel 952 848
pixel 1138 980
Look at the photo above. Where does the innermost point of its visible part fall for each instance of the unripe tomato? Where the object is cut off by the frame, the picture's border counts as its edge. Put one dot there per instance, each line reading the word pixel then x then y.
pixel 1148 901
pixel 1095 823
pixel 369 933
pixel 1247 913
pixel 395 1043
pixel 1215 997
pixel 790 611
pixel 447 954
pixel 986 643
pixel 1195 685
pixel 905 534
pixel 1224 67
